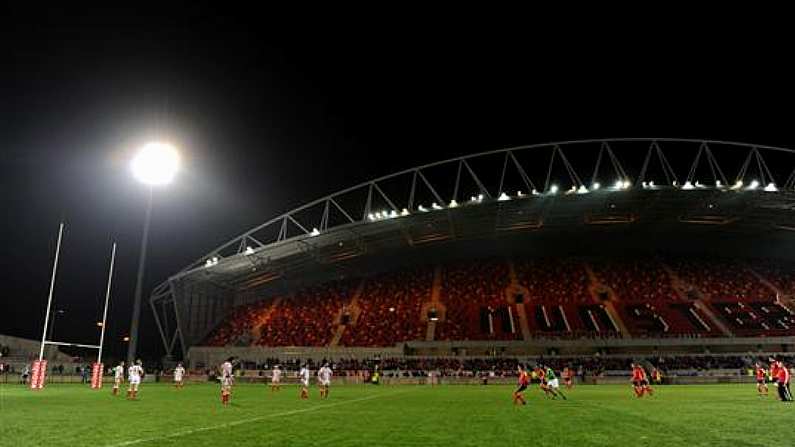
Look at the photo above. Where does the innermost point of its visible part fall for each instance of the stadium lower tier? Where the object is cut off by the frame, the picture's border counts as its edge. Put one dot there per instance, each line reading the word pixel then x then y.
pixel 505 300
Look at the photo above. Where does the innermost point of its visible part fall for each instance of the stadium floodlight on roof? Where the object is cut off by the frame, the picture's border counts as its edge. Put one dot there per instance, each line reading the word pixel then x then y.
pixel 553 189
pixel 453 204
pixel 156 164
pixel 754 184
pixel 771 187
pixel 503 197
pixel 595 186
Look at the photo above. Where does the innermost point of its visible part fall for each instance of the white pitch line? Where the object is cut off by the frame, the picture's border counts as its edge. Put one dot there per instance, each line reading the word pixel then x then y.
pixel 246 421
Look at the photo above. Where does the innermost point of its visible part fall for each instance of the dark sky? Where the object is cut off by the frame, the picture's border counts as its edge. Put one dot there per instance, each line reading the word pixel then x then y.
pixel 271 110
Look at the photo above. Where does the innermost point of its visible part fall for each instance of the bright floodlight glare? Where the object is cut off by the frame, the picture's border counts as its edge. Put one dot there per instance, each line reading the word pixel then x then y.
pixel 553 189
pixel 503 197
pixel 754 184
pixel 596 186
pixel 156 164
pixel 453 204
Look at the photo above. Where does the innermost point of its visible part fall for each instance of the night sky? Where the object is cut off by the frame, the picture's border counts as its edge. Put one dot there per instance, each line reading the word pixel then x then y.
pixel 271 110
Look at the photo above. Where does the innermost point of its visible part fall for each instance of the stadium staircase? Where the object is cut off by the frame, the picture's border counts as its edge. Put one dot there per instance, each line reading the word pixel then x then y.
pixel 698 301
pixel 434 303
pixel 354 310
pixel 595 288
pixel 521 310
pixel 256 329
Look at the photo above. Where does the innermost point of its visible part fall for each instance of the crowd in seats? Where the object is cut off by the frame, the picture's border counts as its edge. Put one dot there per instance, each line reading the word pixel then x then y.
pixel 391 307
pixel 780 273
pixel 643 281
pixel 474 295
pixel 557 303
pixel 307 318
pixel 554 280
pixel 721 279
pixel 236 328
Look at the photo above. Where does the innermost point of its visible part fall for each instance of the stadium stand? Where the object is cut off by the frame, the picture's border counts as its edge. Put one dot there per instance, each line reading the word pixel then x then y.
pixel 391 309
pixel 565 299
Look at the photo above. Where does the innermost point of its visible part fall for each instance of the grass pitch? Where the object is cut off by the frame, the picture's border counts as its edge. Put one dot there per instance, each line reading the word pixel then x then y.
pixel 72 415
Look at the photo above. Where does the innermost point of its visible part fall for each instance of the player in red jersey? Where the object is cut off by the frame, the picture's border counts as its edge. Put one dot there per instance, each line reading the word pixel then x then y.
pixel 568 375
pixel 773 371
pixel 640 382
pixel 518 395
pixel 542 377
pixel 783 376
pixel 761 375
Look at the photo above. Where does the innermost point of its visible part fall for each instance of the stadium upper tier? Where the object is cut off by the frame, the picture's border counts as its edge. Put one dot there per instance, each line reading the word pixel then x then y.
pixel 588 198
pixel 497 299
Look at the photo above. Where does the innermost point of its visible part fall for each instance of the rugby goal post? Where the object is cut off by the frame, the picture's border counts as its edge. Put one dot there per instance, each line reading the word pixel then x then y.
pixel 39 369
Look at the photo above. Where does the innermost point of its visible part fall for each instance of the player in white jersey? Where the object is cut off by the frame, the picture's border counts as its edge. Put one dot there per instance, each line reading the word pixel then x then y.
pixel 276 378
pixel 226 381
pixel 324 380
pixel 303 377
pixel 134 374
pixel 179 374
pixel 118 378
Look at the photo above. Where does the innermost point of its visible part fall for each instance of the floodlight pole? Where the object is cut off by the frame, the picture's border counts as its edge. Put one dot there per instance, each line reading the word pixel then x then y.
pixel 136 316
pixel 52 287
pixel 107 298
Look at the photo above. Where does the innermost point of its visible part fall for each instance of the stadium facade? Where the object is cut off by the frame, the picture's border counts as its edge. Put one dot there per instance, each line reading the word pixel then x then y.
pixel 627 198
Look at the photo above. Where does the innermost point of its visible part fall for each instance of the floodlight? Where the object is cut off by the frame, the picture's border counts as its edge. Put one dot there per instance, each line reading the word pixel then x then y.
pixel 405 212
pixel 687 185
pixel 771 187
pixel 249 251
pixel 453 204
pixel 596 186
pixel 754 184
pixel 156 164
pixel 314 232
pixel 435 206
pixel 553 189
pixel 582 190
pixel 503 197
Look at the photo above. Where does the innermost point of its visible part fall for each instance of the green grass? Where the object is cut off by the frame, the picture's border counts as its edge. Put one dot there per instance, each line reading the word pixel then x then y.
pixel 72 415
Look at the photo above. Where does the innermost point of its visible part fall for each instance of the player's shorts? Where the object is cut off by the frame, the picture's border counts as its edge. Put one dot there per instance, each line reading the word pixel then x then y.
pixel 135 380
pixel 226 381
pixel 117 380
pixel 760 381
pixel 304 382
pixel 324 382
pixel 177 378
pixel 521 388
pixel 637 383
pixel 275 381
pixel 553 383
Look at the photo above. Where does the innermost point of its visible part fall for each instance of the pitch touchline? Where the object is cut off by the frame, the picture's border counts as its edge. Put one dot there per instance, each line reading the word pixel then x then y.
pixel 249 420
